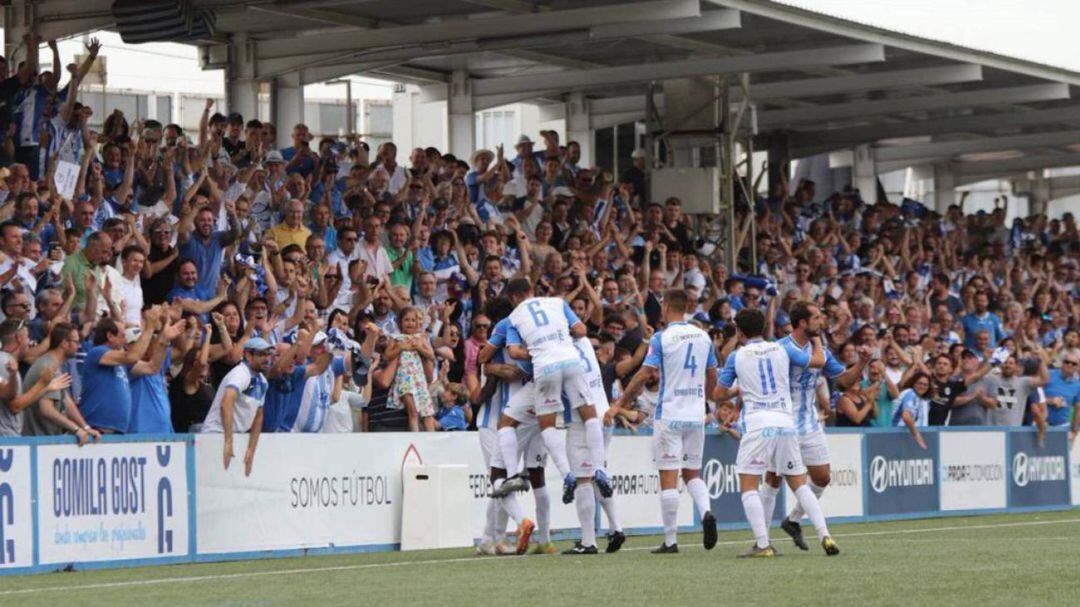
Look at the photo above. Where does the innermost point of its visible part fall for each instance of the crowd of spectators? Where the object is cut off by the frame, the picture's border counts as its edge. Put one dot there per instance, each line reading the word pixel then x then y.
pixel 363 282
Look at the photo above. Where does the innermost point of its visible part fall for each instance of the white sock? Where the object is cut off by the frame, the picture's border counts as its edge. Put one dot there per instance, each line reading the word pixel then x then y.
pixel 508 445
pixel 810 504
pixel 608 504
pixel 797 512
pixel 594 438
pixel 700 494
pixel 513 508
pixel 669 510
pixel 543 514
pixel 768 495
pixel 501 519
pixel 751 502
pixel 489 522
pixel 585 502
pixel 555 443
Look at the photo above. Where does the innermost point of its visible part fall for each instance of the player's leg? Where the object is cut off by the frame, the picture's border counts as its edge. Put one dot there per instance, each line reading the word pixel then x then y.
pixel 518 411
pixel 750 465
pixel 582 467
pixel 769 490
pixel 576 389
pixel 693 444
pixel 615 532
pixel 543 507
pixel 814 450
pixel 787 457
pixel 549 405
pixel 667 454
pixel 489 538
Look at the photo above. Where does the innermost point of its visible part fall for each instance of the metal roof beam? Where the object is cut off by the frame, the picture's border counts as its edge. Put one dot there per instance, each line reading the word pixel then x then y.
pixel 946 149
pixel 849 29
pixel 814 142
pixel 628 74
pixel 984 97
pixel 1016 165
pixel 474 29
pixel 856 83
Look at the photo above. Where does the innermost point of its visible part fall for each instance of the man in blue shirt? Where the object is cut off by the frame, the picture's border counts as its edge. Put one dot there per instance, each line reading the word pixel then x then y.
pixel 300 158
pixel 189 295
pixel 982 318
pixel 106 394
pixel 1063 391
pixel 199 242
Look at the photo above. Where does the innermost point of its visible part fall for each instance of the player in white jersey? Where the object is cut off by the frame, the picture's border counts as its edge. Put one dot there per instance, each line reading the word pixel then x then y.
pixel 542 330
pixel 762 369
pixel 509 382
pixel 683 359
pixel 806 323
pixel 582 465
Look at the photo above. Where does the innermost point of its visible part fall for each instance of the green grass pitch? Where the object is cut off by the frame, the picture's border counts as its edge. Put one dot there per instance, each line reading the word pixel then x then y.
pixel 1025 559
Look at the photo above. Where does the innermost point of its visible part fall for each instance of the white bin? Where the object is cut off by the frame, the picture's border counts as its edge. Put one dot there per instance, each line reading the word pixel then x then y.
pixel 435 507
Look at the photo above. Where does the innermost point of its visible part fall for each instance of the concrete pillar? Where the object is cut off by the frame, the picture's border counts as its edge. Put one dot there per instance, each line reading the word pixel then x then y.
pixel 1040 194
pixel 579 127
pixel 864 174
pixel 241 88
pixel 287 106
pixel 944 187
pixel 461 119
pixel 776 145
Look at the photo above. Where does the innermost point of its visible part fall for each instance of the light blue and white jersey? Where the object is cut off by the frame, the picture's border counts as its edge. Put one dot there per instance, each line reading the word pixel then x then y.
pixel 597 395
pixel 763 369
pixel 918 408
pixel 542 325
pixel 683 354
pixel 491 410
pixel 804 386
pixel 317 398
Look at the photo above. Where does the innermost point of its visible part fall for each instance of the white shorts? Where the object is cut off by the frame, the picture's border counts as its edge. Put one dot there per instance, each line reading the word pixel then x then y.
pixel 530 446
pixel 522 405
pixel 814 449
pixel 555 381
pixel 677 445
pixel 577 450
pixel 774 449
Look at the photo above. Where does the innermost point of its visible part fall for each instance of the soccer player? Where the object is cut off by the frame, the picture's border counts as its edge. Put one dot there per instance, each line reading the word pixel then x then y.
pixel 542 330
pixel 682 358
pixel 514 384
pixel 583 466
pixel 806 323
pixel 769 443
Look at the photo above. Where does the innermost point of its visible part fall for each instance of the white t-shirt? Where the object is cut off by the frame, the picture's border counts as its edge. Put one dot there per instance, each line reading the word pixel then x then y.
pixel 378 262
pixel 763 370
pixel 344 295
pixel 683 354
pixel 251 392
pixel 131 299
pixel 317 397
pixel 543 324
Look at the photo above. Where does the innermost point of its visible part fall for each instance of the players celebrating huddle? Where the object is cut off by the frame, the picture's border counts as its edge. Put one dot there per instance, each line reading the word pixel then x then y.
pixel 539 367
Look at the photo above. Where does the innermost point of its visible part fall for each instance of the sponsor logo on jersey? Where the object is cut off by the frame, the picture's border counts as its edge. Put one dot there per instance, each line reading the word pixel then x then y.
pixel 887 473
pixel 1037 469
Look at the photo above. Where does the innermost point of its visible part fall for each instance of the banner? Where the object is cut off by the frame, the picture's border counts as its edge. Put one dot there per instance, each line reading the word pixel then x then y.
pixel 1074 471
pixel 1038 476
pixel 843 496
pixel 972 470
pixel 902 477
pixel 112 501
pixel 16 518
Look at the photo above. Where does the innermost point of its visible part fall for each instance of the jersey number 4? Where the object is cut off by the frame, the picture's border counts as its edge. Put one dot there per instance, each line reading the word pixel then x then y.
pixel 691 360
pixel 540 319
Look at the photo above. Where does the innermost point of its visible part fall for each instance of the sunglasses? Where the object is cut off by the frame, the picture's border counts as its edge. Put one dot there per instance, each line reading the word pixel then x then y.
pixel 1072 362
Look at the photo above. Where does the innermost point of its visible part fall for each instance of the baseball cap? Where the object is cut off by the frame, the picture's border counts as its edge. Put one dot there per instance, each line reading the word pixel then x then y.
pixel 257 344
pixel 524 140
pixel 319 339
pixel 969 353
pixel 638 153
pixel 274 156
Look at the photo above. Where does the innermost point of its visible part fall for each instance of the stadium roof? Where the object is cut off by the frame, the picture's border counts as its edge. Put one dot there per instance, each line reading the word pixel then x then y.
pixel 828 82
